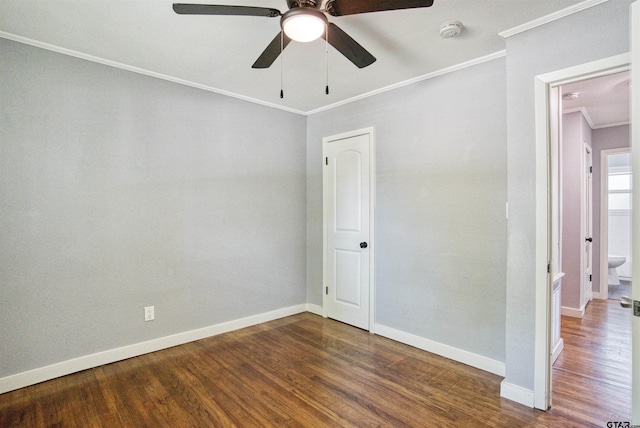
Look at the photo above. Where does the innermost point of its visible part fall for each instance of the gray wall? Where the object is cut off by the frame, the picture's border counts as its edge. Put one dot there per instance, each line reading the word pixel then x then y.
pixel 440 205
pixel 119 190
pixel 593 34
pixel 603 139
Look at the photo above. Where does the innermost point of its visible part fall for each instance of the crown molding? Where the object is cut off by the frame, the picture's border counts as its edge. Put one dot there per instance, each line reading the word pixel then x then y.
pixel 550 18
pixel 592 125
pixel 584 112
pixel 427 76
pixel 110 63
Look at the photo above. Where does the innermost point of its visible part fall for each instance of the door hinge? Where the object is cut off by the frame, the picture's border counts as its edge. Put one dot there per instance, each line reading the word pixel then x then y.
pixel 548 267
pixel 590 169
pixel 326 161
pixel 590 278
pixel 326 291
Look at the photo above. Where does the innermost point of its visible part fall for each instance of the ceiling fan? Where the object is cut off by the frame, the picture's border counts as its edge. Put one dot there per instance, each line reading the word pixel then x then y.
pixel 306 21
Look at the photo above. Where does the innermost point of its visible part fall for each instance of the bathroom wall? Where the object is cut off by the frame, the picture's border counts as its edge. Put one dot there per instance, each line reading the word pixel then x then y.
pixel 603 139
pixel 575 134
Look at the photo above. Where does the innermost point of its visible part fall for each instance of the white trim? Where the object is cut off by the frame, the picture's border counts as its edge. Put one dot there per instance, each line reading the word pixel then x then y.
pixel 315 309
pixel 572 312
pixel 456 354
pixel 517 393
pixel 557 350
pixel 550 18
pixel 41 374
pixel 635 165
pixel 611 125
pixel 586 286
pixel 544 286
pixel 543 83
pixel 584 113
pixel 110 63
pixel 602 67
pixel 145 72
pixel 427 76
pixel 600 295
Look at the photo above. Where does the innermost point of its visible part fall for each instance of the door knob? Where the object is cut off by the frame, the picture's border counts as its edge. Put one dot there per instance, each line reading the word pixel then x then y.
pixel 363 245
pixel 589 239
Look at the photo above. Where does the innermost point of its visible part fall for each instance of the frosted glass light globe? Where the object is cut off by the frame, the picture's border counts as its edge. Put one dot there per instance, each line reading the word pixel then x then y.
pixel 304 27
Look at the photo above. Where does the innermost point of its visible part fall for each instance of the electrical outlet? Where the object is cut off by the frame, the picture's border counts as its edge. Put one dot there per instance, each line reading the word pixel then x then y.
pixel 149 313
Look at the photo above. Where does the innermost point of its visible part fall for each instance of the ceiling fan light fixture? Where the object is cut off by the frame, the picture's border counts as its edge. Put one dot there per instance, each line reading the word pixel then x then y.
pixel 304 24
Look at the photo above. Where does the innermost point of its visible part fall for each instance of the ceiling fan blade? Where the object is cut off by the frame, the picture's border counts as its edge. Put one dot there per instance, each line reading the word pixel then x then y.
pixel 215 9
pixel 272 51
pixel 350 7
pixel 348 47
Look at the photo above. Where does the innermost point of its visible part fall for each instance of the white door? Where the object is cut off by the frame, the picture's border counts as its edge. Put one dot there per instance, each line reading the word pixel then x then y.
pixel 635 150
pixel 348 246
pixel 587 214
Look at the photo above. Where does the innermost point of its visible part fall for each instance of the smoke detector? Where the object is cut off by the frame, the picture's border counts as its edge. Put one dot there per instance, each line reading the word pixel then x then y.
pixel 450 29
pixel 571 96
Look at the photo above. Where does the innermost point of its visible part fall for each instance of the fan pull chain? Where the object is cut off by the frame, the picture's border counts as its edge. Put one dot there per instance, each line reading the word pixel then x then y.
pixel 326 50
pixel 281 66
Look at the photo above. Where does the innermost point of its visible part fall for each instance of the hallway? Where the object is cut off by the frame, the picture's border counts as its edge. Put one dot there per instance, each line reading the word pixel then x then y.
pixel 592 375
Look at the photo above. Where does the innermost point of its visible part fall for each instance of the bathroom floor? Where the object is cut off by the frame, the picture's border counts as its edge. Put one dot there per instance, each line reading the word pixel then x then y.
pixel 617 291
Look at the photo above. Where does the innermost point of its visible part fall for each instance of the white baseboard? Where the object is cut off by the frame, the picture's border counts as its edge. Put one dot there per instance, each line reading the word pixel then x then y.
pixel 517 393
pixel 601 296
pixel 315 309
pixel 557 350
pixel 572 312
pixel 465 357
pixel 31 377
pixel 74 365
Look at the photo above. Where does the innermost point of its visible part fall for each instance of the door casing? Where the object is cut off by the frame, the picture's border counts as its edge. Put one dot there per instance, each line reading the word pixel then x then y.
pixel 586 260
pixel 543 280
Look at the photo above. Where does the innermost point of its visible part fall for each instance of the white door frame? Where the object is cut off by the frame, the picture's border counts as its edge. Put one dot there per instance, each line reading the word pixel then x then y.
pixel 586 229
pixel 326 204
pixel 543 280
pixel 604 218
pixel 635 166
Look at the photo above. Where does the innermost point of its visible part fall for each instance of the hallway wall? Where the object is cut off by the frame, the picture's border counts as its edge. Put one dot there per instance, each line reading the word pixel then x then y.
pixel 596 33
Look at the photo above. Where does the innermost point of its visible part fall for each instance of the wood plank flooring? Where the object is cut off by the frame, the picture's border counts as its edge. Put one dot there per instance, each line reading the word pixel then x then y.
pixel 306 371
pixel 592 375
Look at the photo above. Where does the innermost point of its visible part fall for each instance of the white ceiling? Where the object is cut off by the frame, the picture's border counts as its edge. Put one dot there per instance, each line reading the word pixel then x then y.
pixel 216 52
pixel 604 101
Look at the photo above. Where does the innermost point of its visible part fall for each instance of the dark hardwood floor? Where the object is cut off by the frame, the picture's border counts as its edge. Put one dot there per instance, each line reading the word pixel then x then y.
pixel 308 371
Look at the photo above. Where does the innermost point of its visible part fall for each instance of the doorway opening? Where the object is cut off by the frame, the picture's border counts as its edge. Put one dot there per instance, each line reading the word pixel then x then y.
pixel 594 174
pixel 616 214
pixel 546 247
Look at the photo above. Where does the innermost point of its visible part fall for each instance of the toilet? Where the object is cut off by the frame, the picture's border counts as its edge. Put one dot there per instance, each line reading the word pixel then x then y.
pixel 614 262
